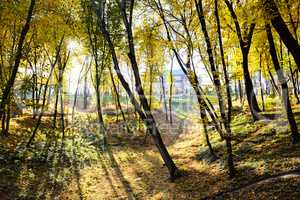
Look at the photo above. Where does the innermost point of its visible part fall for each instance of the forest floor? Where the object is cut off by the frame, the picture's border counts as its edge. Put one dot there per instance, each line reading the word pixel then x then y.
pixel 131 168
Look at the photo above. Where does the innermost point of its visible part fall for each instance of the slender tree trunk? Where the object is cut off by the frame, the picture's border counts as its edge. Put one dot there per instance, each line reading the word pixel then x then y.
pixel 273 81
pixel 85 93
pixel 245 45
pixel 251 97
pixel 293 80
pixel 62 112
pixel 3 119
pixel 171 93
pixel 146 115
pixel 284 87
pixel 217 84
pixel 118 99
pixel 17 60
pixel 56 103
pixel 260 83
pixel 164 96
pixel 76 91
pixel 226 77
pixel 204 122
pixel 34 106
pixel 261 91
pixel 236 90
pixel 241 93
pixel 191 76
pixel 151 87
pixel 58 50
pixel 42 108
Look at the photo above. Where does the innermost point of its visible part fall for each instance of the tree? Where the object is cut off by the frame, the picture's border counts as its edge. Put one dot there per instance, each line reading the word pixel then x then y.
pixel 272 13
pixel 125 9
pixel 284 87
pixel 245 44
pixel 217 84
pixel 10 83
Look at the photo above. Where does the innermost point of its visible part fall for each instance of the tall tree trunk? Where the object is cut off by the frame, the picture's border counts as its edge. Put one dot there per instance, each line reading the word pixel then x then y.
pixel 260 83
pixel 245 45
pixel 118 99
pixel 62 67
pixel 58 50
pixel 62 110
pixel 273 81
pixel 236 90
pixel 251 97
pixel 164 96
pixel 171 93
pixel 146 115
pixel 278 23
pixel 151 86
pixel 17 60
pixel 217 84
pixel 42 108
pixel 241 93
pixel 293 80
pixel 56 103
pixel 226 77
pixel 85 93
pixel 191 76
pixel 34 106
pixel 204 123
pixel 76 90
pixel 3 120
pixel 284 87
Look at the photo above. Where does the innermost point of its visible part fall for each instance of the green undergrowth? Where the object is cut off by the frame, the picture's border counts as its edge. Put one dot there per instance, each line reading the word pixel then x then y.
pixel 80 166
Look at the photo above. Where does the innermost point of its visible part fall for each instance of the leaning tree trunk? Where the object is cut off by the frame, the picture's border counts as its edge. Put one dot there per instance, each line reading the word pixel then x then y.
pixel 217 84
pixel 147 116
pixel 76 91
pixel 58 50
pixel 226 77
pixel 42 108
pixel 284 87
pixel 118 100
pixel 293 80
pixel 273 81
pixel 17 60
pixel 280 26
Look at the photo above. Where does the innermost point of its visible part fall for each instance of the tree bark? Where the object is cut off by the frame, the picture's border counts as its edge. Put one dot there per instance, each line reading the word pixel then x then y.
pixel 245 45
pixel 146 116
pixel 226 77
pixel 17 60
pixel 58 49
pixel 217 84
pixel 171 92
pixel 118 99
pixel 271 10
pixel 164 96
pixel 284 87
pixel 293 80
pixel 260 83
